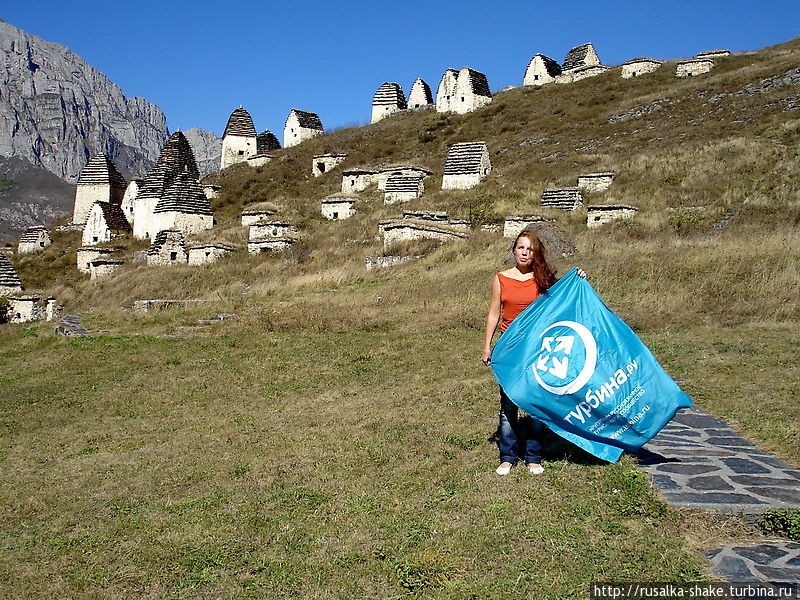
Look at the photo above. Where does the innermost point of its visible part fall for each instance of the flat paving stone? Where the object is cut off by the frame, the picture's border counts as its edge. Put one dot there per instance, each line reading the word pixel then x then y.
pixel 772 562
pixel 716 469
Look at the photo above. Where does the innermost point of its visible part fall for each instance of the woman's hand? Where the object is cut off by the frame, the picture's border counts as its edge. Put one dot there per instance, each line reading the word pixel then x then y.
pixel 486 357
pixel 581 273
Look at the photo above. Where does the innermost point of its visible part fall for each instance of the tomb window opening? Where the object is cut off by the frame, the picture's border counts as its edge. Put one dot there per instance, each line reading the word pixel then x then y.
pixel 321 167
pixel 208 253
pixel 173 255
pixel 536 78
pixel 335 215
pixel 241 152
pixel 94 238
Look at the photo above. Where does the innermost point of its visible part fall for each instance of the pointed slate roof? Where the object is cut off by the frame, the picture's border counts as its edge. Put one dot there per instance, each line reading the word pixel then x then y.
pixel 240 123
pixel 162 237
pixel 401 183
pixel 577 57
pixel 100 170
pixel 114 216
pixel 464 158
pixel 184 195
pixel 8 275
pixel 389 94
pixel 306 119
pixel 176 157
pixel 420 88
pixel 266 141
pixel 32 233
pixel 478 81
pixel 551 66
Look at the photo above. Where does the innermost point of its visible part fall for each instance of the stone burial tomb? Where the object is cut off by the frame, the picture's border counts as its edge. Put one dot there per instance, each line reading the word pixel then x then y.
pixel 595 182
pixel 693 66
pixel 420 96
pixel 270 236
pixel 105 222
pixel 462 91
pixel 388 100
pixel 239 139
pixel 639 66
pixel 300 126
pixel 402 189
pixel 562 198
pixel 541 70
pixel 168 248
pixel 33 239
pixel 87 255
pixel 99 181
pixel 600 214
pixel 211 252
pixel 10 282
pixel 322 163
pixel 466 165
pixel 337 208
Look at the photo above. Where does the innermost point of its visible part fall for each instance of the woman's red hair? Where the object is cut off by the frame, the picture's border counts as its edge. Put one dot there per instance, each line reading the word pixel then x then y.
pixel 543 273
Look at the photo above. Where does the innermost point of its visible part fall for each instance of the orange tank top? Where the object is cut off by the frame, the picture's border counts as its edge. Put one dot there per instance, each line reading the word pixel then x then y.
pixel 515 296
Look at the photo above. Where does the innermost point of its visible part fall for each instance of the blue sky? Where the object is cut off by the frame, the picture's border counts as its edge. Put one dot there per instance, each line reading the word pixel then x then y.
pixel 199 60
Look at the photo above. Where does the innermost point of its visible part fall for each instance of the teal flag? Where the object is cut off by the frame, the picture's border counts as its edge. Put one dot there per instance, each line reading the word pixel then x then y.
pixel 570 362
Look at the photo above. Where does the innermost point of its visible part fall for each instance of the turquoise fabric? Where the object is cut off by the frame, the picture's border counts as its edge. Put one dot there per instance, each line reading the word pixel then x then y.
pixel 576 366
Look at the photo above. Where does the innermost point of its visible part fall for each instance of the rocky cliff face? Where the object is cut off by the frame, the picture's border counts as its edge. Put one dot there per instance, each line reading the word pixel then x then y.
pixel 207 149
pixel 56 111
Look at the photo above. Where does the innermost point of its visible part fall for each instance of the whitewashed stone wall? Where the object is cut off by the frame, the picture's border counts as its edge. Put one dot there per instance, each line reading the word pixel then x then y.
pixel 446 93
pixel 259 160
pixel 272 229
pixel 693 67
pixel 143 226
pixel 600 214
pixel 478 167
pixel 23 309
pixel 595 182
pixel 412 189
pixel 129 198
pixel 462 225
pixel 85 197
pixel 275 244
pixel 382 262
pixel 249 217
pixel 338 208
pixel 293 134
pixel 325 162
pixel 383 175
pixel 96 230
pixel 382 111
pixel 406 230
pixel 171 249
pixel 207 254
pixel 418 96
pixel 357 181
pixel 237 149
pixel 186 223
pixel 41 241
pixel 537 73
pixel 513 225
pixel 86 255
pixel 8 290
pixel 465 99
pixel 642 66
pixel 51 310
pixel 103 268
pixel 588 71
pixel 713 54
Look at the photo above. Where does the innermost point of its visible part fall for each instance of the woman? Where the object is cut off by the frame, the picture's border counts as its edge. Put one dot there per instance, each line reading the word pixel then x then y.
pixel 512 291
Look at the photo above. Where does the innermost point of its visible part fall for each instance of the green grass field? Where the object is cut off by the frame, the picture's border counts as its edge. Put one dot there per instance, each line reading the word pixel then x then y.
pixel 333 439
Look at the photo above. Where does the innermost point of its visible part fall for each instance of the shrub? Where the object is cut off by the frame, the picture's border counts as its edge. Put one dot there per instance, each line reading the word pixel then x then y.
pixel 783 521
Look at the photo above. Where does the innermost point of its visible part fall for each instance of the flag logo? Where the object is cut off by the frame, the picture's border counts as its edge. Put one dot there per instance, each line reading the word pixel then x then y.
pixel 566 359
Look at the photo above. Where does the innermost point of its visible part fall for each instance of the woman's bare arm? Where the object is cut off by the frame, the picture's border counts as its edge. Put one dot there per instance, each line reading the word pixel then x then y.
pixel 492 318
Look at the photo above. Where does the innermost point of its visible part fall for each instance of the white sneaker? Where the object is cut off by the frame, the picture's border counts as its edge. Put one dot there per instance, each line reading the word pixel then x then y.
pixel 503 470
pixel 535 469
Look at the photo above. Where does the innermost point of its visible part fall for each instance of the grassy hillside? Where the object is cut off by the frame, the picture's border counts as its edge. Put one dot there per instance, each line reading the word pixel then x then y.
pixel 332 439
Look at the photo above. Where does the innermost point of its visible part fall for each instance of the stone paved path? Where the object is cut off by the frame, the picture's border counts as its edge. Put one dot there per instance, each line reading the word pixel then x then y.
pixel 698 461
pixel 71 326
pixel 775 562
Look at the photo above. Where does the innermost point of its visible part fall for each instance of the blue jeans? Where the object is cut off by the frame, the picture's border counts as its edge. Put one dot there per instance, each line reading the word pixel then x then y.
pixel 513 429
